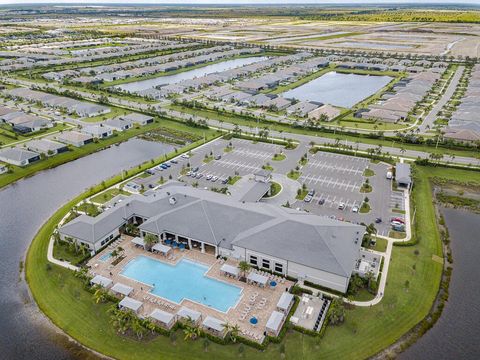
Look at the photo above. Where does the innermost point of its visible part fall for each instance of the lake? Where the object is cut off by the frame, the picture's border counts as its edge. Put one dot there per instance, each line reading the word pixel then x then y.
pixel 456 333
pixel 24 207
pixel 339 89
pixel 190 74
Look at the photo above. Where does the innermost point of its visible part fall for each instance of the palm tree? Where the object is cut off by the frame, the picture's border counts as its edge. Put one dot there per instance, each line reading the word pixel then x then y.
pixel 243 266
pixel 233 330
pixel 191 331
pixel 100 295
pixel 149 240
pixel 138 328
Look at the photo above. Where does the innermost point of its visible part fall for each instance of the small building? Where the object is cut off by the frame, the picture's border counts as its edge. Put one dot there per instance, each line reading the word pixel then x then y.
pixel 118 124
pixel 75 138
pixel 214 326
pixel 187 314
pixel 403 175
pixel 285 302
pixel 97 131
pixel 47 147
pixel 263 175
pixel 163 318
pixel 18 157
pixel 137 118
pixel 128 303
pixel 3 169
pixel 275 323
pixel 326 112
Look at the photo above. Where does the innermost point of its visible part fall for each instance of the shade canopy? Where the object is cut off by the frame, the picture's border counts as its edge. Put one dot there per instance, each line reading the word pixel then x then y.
pixel 259 279
pixel 214 324
pixel 129 303
pixel 229 269
pixel 162 316
pixel 101 280
pixel 138 241
pixel 285 301
pixel 187 313
pixel 164 249
pixel 275 321
pixel 123 289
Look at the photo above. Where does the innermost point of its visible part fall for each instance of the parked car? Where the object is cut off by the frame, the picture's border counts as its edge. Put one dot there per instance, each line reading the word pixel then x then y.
pixel 150 172
pixel 188 173
pixel 307 198
pixel 151 186
pixel 209 176
pixel 321 201
pixel 224 181
pixel 185 156
pixel 199 175
pixel 215 178
pixel 159 168
pixel 218 157
pixel 311 192
pixel 163 166
pixel 355 209
pixel 195 169
pixel 378 220
pixel 341 206
pixel 400 220
pixel 397 223
pixel 194 174
pixel 173 161
pixel 166 164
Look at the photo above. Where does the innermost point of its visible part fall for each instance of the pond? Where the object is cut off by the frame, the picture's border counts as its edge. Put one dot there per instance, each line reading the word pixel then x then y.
pixel 190 74
pixel 24 207
pixel 339 89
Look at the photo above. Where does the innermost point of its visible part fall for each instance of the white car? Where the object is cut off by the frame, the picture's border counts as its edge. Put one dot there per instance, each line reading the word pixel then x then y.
pixel 215 178
pixel 355 209
pixel 208 177
pixel 341 206
pixel 186 156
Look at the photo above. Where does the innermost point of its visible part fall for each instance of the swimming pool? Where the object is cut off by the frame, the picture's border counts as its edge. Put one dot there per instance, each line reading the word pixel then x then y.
pixel 185 280
pixel 105 257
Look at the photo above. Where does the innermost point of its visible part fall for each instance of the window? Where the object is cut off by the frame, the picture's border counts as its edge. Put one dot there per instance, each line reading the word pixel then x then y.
pixel 266 264
pixel 279 268
pixel 253 260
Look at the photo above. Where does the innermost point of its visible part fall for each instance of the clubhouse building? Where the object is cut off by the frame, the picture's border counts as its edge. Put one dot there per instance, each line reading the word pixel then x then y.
pixel 277 239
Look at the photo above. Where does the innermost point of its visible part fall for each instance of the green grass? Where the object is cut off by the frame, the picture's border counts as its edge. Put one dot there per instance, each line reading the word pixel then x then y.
pixel 294 175
pixel 8 136
pixel 366 330
pixel 366 188
pixel 368 172
pixel 301 194
pixel 89 209
pixel 108 195
pixel 275 189
pixel 365 208
pixel 279 157
pixel 396 234
pixel 380 245
pixel 233 180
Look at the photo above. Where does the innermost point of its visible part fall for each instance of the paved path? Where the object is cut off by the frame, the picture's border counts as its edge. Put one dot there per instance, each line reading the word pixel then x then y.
pixel 428 122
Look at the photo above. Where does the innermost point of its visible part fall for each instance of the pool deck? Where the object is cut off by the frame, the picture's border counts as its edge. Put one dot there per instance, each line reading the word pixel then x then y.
pixel 232 316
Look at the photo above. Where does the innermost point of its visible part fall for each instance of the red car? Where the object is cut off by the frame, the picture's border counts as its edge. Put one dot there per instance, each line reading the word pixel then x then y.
pixel 400 220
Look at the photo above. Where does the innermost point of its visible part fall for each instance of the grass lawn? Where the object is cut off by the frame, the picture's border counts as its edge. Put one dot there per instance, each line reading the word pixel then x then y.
pixel 294 175
pixel 8 136
pixel 380 245
pixel 234 179
pixel 108 195
pixel 275 189
pixel 61 251
pixel 365 208
pixel 279 157
pixel 368 172
pixel 396 234
pixel 366 188
pixel 366 330
pixel 301 194
pixel 89 209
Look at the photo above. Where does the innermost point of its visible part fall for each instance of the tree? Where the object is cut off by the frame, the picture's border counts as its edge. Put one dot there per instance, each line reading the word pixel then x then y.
pixel 100 295
pixel 149 240
pixel 243 266
pixel 191 331
pixel 337 312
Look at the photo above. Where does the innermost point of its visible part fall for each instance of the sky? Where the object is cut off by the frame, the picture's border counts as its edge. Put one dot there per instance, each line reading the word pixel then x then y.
pixel 96 2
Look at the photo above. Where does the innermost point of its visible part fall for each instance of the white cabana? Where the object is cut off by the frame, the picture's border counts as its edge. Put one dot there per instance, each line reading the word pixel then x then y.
pixel 213 324
pixel 187 313
pixel 164 249
pixel 285 302
pixel 122 289
pixel 138 241
pixel 257 278
pixel 101 281
pixel 163 317
pixel 274 323
pixel 229 269
pixel 131 304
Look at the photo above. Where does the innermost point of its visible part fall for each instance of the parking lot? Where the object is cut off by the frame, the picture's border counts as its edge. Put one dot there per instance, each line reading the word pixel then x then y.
pixel 336 179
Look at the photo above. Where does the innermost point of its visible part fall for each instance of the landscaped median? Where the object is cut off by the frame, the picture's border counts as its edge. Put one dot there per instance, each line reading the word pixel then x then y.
pixel 366 331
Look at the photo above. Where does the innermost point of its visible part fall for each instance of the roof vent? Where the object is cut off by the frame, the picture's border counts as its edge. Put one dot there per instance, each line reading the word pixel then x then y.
pixel 172 201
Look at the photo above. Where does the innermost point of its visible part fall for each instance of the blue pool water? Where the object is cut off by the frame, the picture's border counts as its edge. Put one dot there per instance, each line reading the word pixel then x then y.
pixel 185 280
pixel 106 256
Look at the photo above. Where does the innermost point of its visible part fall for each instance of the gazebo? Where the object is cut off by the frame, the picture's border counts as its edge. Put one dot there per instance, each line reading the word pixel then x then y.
pixel 230 270
pixel 162 249
pixel 215 326
pixel 122 289
pixel 130 304
pixel 164 318
pixel 138 241
pixel 255 278
pixel 101 281
pixel 274 323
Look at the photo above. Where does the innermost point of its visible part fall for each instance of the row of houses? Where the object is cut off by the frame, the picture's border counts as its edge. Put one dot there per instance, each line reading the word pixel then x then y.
pixel 397 104
pixel 464 124
pixel 221 77
pixel 174 65
pixel 22 122
pixel 119 51
pixel 389 63
pixel 289 242
pixel 71 106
